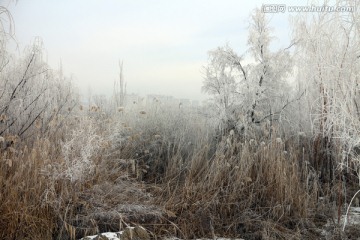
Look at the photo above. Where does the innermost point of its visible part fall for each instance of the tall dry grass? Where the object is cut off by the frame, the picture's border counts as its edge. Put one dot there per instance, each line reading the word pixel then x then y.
pixel 24 213
pixel 256 192
pixel 164 170
pixel 42 181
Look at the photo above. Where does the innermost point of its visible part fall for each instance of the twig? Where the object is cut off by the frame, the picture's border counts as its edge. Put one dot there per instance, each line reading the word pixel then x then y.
pixel 347 211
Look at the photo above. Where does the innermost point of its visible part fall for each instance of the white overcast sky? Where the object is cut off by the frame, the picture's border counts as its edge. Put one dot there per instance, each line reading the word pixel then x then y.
pixel 163 43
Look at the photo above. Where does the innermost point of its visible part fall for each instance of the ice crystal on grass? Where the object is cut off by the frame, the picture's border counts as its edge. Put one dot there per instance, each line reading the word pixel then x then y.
pixel 78 153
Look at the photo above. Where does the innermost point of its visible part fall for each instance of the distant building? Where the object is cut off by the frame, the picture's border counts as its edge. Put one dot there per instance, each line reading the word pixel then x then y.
pixel 195 103
pixel 150 99
pixel 131 99
pixel 184 102
pixel 155 98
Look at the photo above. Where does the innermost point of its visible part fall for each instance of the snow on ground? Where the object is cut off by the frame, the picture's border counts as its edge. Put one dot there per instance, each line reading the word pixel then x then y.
pixel 353 217
pixel 106 235
pixel 352 220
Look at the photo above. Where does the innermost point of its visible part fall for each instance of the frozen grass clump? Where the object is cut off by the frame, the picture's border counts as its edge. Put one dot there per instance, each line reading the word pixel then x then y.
pixel 79 152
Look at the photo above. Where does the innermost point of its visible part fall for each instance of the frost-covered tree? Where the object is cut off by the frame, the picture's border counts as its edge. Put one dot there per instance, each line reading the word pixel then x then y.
pixel 328 56
pixel 328 63
pixel 32 95
pixel 6 33
pixel 248 94
pixel 220 82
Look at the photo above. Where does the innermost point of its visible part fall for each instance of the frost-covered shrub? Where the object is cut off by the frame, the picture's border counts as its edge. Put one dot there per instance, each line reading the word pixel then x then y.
pixel 79 152
pixel 32 94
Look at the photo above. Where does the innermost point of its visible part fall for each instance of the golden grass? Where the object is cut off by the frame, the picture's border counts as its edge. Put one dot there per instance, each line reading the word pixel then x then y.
pixel 170 173
pixel 24 213
pixel 240 188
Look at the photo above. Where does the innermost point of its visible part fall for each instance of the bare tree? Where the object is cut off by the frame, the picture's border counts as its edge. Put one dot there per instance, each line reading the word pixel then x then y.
pixel 120 88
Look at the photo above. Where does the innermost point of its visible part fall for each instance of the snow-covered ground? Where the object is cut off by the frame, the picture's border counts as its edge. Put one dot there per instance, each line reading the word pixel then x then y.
pixel 353 219
pixel 106 235
pixel 129 233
